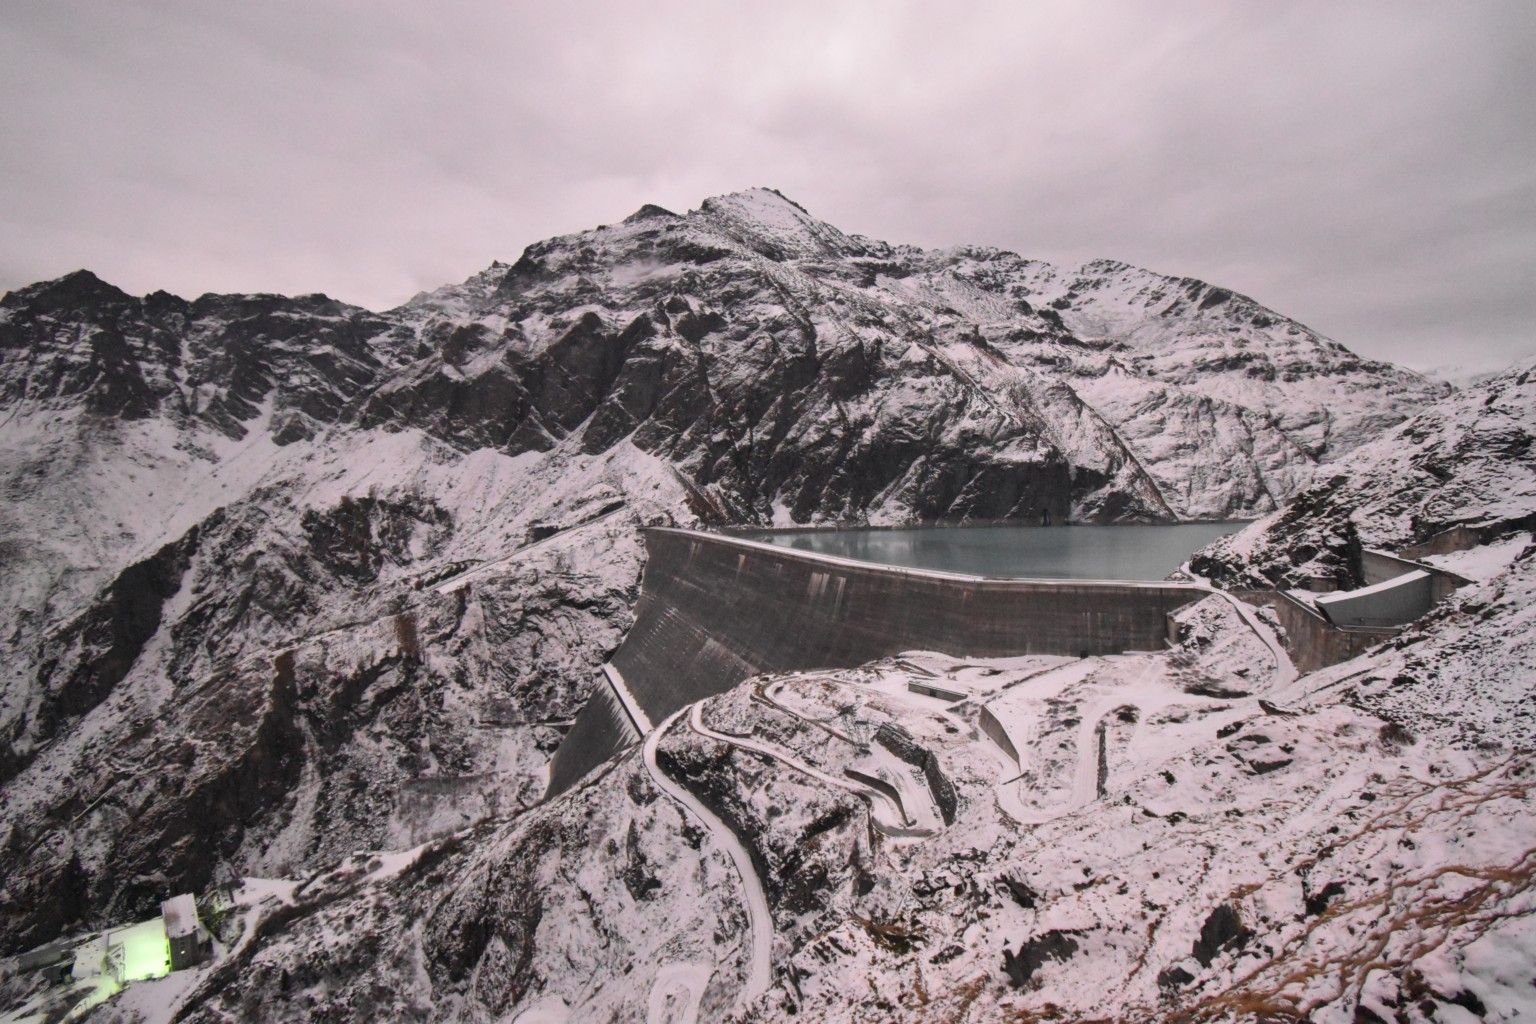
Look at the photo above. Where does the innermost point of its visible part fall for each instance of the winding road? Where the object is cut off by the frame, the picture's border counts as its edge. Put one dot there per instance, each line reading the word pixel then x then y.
pixel 1285 669
pixel 890 815
pixel 1023 719
pixel 754 900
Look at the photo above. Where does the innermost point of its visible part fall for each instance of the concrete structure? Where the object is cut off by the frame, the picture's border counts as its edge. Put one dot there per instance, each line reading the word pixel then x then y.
pixel 937 691
pixel 1337 626
pixel 1392 602
pixel 189 942
pixel 997 732
pixel 85 971
pixel 715 610
pixel 1397 591
pixel 1311 640
pixel 1381 567
pixel 601 729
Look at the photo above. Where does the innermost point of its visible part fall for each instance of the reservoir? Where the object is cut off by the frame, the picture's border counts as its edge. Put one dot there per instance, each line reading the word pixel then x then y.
pixel 1130 551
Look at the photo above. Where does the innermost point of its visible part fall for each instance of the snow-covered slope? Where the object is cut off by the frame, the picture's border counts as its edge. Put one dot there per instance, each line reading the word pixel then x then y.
pixel 1185 836
pixel 1192 835
pixel 1230 405
pixel 1466 464
pixel 229 645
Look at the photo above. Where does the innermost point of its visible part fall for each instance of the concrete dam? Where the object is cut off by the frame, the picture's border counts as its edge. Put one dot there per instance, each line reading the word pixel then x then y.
pixel 715 610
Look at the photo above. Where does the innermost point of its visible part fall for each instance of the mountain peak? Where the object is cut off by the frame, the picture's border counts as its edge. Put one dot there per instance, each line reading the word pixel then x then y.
pixel 759 195
pixel 650 211
pixel 76 289
pixel 768 205
pixel 774 225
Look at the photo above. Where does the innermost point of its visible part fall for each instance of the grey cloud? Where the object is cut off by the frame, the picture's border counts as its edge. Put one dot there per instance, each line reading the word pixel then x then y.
pixel 1364 167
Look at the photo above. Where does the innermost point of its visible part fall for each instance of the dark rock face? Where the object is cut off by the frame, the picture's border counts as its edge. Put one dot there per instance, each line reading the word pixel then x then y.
pixel 356 538
pixel 213 360
pixel 480 898
pixel 1222 930
pixel 1035 953
pixel 1021 893
pixel 1318 901
pixel 92 654
pixel 795 864
pixel 758 410
pixel 1331 551
pixel 1171 979
pixel 638 877
pixel 520 403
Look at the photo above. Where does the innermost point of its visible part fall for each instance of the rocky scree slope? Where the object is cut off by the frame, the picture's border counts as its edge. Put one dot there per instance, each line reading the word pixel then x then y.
pixel 227 521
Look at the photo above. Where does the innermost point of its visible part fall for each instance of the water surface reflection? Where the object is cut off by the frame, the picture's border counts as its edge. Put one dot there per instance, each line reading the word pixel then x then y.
pixel 1135 551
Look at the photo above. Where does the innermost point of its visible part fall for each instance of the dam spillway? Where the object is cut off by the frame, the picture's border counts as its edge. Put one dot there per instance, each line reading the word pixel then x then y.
pixel 715 610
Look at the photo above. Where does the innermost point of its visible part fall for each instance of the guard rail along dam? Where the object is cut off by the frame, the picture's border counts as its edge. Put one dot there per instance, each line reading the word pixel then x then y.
pixel 715 610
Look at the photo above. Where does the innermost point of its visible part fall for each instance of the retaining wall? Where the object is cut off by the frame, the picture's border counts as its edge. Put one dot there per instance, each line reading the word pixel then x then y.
pixel 1311 640
pixel 1381 567
pixel 1460 538
pixel 1396 601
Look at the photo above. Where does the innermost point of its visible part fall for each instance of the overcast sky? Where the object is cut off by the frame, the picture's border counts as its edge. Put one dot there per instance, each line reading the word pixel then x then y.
pixel 1369 169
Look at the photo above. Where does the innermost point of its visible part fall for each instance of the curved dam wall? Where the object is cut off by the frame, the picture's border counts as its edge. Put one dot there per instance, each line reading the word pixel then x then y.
pixel 715 610
pixel 601 729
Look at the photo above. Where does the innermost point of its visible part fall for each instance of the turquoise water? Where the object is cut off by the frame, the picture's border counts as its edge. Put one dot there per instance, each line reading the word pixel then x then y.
pixel 1110 552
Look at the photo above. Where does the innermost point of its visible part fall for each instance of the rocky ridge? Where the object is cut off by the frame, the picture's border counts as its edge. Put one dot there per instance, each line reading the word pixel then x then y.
pixel 1455 484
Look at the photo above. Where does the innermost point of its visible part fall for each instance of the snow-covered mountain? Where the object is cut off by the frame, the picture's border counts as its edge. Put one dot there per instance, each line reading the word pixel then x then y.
pixel 1198 834
pixel 794 372
pixel 227 650
pixel 1466 465
pixel 1248 846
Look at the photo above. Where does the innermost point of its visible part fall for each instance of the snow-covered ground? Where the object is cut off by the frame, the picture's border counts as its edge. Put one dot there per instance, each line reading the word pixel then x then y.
pixel 1194 834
